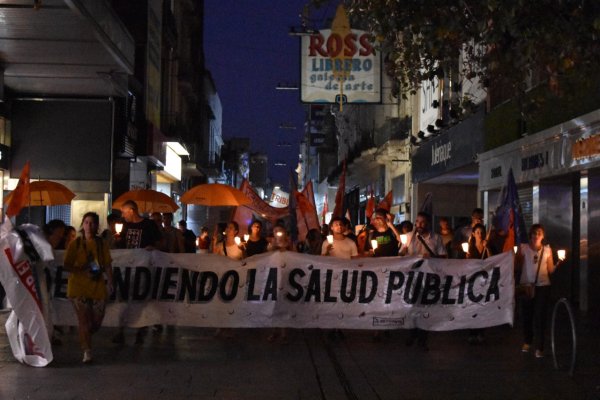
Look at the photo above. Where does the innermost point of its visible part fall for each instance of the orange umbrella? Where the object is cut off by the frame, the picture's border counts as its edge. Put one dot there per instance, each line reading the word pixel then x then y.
pixel 148 200
pixel 46 193
pixel 215 194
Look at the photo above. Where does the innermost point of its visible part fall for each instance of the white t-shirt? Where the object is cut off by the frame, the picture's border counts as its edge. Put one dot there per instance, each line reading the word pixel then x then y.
pixel 234 252
pixel 433 240
pixel 530 265
pixel 345 248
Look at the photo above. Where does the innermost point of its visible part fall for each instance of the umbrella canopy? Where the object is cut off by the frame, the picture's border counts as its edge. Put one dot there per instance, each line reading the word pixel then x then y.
pixel 148 200
pixel 215 194
pixel 46 193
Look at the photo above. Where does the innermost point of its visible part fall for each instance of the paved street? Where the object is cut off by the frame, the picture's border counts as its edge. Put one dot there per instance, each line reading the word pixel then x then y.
pixel 183 363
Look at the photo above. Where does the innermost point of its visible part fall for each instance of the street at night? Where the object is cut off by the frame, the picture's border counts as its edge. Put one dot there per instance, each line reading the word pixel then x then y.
pixel 183 363
pixel 300 199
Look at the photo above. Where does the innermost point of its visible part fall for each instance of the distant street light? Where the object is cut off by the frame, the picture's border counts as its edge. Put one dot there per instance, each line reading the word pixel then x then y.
pixel 302 31
pixel 286 86
pixel 287 125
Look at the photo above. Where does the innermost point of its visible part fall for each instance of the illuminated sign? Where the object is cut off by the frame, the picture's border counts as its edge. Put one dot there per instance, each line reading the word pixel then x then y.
pixel 340 65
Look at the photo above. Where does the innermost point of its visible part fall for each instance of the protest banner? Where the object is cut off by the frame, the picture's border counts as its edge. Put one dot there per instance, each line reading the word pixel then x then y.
pixel 288 289
pixel 21 277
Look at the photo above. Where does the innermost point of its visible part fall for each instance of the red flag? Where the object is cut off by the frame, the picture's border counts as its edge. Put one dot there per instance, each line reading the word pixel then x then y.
pixel 338 210
pixel 386 203
pixel 310 195
pixel 370 209
pixel 20 197
pixel 325 210
pixel 307 210
pixel 244 215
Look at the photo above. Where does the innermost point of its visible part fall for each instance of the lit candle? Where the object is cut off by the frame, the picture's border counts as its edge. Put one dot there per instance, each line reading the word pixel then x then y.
pixel 404 238
pixel 279 234
pixel 515 248
pixel 374 244
pixel 465 247
pixel 118 228
pixel 561 254
pixel 246 237
pixel 237 240
pixel 330 239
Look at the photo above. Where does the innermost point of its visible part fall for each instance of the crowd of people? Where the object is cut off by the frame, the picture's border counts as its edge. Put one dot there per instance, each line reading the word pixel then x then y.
pixel 88 258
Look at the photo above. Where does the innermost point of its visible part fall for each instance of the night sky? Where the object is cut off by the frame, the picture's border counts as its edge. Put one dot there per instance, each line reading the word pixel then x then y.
pixel 249 52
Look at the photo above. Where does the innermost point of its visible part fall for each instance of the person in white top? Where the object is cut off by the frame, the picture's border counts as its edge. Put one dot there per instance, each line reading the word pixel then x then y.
pixel 423 242
pixel 340 246
pixel 534 264
pixel 230 247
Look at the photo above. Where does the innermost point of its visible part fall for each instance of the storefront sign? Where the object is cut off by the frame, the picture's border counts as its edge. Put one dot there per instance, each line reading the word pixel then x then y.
pixel 586 148
pixel 340 52
pixel 455 148
pixel 529 161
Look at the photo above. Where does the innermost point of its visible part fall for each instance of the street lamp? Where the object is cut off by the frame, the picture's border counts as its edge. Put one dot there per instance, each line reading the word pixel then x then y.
pixel 286 86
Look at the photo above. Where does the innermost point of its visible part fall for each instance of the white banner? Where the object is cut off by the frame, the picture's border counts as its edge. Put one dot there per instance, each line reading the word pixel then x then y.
pixel 26 326
pixel 287 289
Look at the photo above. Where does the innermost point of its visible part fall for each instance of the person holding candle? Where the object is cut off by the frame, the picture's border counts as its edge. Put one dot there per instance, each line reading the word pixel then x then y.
pixel 384 233
pixel 256 243
pixel 338 244
pixel 137 233
pixel 534 264
pixel 463 233
pixel 477 249
pixel 280 242
pixel 422 243
pixel 230 247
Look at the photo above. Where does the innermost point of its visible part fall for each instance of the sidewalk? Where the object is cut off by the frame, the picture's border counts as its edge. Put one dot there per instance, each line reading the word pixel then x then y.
pixel 183 363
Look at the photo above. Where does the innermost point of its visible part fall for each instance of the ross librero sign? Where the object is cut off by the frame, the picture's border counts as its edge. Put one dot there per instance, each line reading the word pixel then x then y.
pixel 352 52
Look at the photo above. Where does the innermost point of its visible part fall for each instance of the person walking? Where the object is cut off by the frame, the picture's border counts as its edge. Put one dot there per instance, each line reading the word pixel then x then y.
pixel 230 247
pixel 90 281
pixel 110 233
pixel 256 243
pixel 340 246
pixel 534 264
pixel 173 238
pixel 478 249
pixel 138 233
pixel 189 237
pixel 423 243
pixel 280 242
pixel 384 233
pixel 204 241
